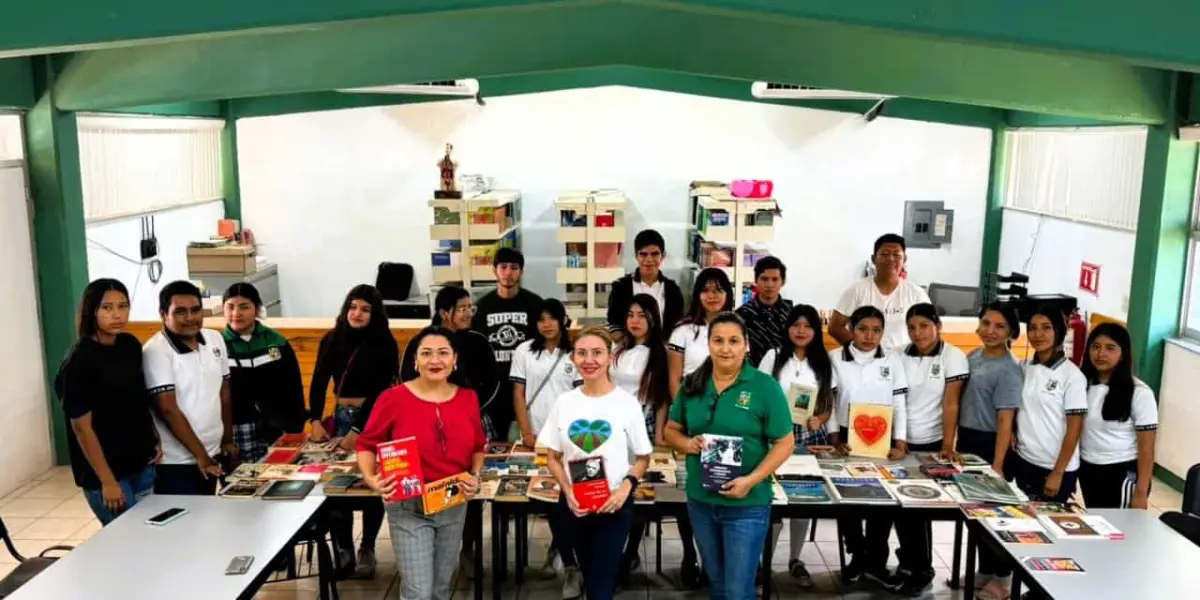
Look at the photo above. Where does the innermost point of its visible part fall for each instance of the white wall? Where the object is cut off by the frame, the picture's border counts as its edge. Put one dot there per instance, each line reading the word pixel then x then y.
pixel 1052 262
pixel 25 429
pixel 173 228
pixel 330 195
pixel 1178 413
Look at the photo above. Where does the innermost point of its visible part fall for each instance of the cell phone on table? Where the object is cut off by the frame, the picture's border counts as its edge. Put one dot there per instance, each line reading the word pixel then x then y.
pixel 240 565
pixel 166 516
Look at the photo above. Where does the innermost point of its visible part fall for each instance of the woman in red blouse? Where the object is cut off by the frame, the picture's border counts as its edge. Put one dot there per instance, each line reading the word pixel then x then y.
pixel 444 419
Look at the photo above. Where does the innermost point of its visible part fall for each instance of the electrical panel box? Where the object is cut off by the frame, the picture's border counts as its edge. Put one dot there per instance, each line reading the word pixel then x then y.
pixel 927 224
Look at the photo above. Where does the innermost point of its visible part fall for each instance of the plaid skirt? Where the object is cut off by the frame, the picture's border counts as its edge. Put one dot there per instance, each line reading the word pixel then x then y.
pixel 251 448
pixel 809 437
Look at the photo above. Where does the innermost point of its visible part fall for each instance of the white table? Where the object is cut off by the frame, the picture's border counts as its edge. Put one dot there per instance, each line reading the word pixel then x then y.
pixel 185 559
pixel 1153 561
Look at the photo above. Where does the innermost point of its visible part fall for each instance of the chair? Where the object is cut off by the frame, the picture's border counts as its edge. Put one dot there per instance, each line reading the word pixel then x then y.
pixel 1191 491
pixel 1186 525
pixel 394 280
pixel 954 300
pixel 28 567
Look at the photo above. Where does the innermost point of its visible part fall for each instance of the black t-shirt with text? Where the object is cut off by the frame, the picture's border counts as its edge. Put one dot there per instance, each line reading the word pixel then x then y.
pixel 107 381
pixel 506 322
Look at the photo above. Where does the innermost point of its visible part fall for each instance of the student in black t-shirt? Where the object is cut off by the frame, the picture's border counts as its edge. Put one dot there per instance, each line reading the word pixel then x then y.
pixel 112 442
pixel 507 317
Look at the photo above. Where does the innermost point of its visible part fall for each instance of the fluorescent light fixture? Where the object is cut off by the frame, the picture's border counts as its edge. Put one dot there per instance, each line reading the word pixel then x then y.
pixel 449 87
pixel 787 91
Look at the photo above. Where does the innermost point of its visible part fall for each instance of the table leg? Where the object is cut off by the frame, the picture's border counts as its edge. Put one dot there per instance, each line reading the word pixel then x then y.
pixel 521 551
pixel 968 587
pixel 956 562
pixel 767 557
pixel 1016 585
pixel 477 551
pixel 326 578
pixel 658 546
pixel 497 552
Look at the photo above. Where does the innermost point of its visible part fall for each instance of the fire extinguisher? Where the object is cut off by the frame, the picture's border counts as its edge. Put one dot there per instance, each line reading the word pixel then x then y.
pixel 1073 345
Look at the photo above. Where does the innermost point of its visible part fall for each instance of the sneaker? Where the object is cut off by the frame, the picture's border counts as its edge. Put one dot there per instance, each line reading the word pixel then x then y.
pixel 996 589
pixel 629 564
pixel 553 565
pixel 883 578
pixel 853 571
pixel 690 575
pixel 914 585
pixel 572 584
pixel 366 564
pixel 800 573
pixel 344 561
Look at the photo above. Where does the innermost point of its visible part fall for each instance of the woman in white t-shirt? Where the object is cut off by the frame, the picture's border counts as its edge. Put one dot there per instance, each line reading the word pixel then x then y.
pixel 639 366
pixel 1117 447
pixel 802 367
pixel 542 370
pixel 868 374
pixel 597 421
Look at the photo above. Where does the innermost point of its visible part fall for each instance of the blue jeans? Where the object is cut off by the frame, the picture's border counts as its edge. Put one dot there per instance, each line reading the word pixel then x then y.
pixel 731 541
pixel 598 540
pixel 134 488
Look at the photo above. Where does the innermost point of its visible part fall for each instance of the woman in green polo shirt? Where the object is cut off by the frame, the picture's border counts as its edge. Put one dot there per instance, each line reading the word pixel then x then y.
pixel 734 424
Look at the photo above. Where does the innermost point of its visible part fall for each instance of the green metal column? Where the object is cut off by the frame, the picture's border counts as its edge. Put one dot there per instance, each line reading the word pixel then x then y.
pixel 229 165
pixel 993 214
pixel 1161 248
pixel 59 235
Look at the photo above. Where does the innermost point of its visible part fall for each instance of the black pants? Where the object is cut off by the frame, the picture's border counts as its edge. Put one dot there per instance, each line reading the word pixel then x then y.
pixel 1032 480
pixel 341 528
pixel 983 444
pixel 598 540
pixel 915 532
pixel 866 540
pixel 182 480
pixel 1108 486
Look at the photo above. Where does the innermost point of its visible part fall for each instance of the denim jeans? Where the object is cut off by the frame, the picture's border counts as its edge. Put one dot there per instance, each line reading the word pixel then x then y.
pixel 134 488
pixel 731 541
pixel 183 480
pixel 598 540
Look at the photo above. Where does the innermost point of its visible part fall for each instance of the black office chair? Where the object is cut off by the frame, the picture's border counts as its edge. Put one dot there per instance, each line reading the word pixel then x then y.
pixel 28 567
pixel 1191 491
pixel 1186 525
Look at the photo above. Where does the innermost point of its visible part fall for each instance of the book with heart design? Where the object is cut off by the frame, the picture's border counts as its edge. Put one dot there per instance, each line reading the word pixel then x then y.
pixel 870 430
pixel 720 460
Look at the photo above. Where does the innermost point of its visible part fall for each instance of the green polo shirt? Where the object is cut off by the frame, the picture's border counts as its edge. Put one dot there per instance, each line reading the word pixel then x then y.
pixel 754 409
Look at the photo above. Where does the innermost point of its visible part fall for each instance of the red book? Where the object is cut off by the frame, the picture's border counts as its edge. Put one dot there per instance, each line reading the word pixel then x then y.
pixel 291 440
pixel 281 456
pixel 589 482
pixel 399 459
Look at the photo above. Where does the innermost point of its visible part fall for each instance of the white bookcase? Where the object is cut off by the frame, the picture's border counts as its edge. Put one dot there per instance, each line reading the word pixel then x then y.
pixel 461 270
pixel 589 205
pixel 741 230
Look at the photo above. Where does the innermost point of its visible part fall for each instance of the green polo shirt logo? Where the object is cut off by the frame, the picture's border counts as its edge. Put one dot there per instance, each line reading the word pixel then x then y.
pixel 743 401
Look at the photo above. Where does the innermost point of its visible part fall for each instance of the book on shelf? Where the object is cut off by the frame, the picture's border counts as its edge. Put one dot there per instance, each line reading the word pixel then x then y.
pixel 861 490
pixel 281 456
pixel 399 460
pixel 805 491
pixel 985 488
pixel 919 492
pixel 1081 527
pixel 1024 537
pixel 799 465
pixel 290 441
pixel 870 430
pixel 444 493
pixel 244 488
pixel 589 482
pixel 720 460
pixel 1052 565
pixel 544 489
pixel 288 490
pixel 512 489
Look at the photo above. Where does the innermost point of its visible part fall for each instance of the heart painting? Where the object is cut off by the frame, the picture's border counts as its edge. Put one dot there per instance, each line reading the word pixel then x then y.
pixel 589 435
pixel 870 428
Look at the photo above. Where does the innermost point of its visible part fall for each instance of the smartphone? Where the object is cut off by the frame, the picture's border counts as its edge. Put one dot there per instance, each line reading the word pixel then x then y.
pixel 166 516
pixel 239 565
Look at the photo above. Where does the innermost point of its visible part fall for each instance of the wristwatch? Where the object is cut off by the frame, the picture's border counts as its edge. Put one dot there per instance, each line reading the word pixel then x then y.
pixel 633 482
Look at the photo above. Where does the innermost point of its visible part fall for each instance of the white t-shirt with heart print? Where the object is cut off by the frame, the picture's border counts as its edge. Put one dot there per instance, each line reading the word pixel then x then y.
pixel 612 426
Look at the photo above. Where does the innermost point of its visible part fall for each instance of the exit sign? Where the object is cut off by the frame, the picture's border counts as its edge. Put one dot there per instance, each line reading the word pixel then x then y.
pixel 1089 278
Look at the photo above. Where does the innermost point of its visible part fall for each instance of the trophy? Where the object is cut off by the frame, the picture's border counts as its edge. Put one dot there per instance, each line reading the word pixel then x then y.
pixel 446 167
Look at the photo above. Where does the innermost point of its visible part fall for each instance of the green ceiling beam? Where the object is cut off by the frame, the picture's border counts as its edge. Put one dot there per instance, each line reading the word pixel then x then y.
pixel 993 213
pixel 577 36
pixel 211 109
pixel 666 81
pixel 16 83
pixel 1018 119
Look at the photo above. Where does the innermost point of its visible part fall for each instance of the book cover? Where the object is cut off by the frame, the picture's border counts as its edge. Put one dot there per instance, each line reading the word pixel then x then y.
pixel 282 456
pixel 315 458
pixel 990 511
pixel 834 470
pixel 1023 537
pixel 512 489
pixel 399 459
pixel 999 524
pixel 310 447
pixel 279 472
pixel 801 397
pixel 870 431
pixel 358 488
pixel 861 469
pixel 498 448
pixel 291 441
pixel 589 482
pixel 799 465
pixel 861 490
pixel 894 472
pixel 982 487
pixel 1080 527
pixel 332 471
pixel 662 461
pixel 928 458
pixel 806 491
pixel 824 452
pixel 544 489
pixel 245 488
pixel 520 449
pixel 940 471
pixel 970 462
pixel 288 490
pixel 444 493
pixel 311 472
pixel 919 492
pixel 249 471
pixel 340 483
pixel 1103 527
pixel 1052 565
pixel 488 489
pixel 720 460
pixel 644 494
pixel 1055 508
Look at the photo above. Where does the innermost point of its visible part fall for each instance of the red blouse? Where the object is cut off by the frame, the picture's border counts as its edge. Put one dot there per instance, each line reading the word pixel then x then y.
pixel 445 449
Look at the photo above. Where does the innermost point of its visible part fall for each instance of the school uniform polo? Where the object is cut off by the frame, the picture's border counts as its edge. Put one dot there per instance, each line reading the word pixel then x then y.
pixel 691 340
pixel 1111 442
pixel 532 369
pixel 869 378
pixel 797 377
pixel 1051 392
pixel 196 377
pixel 752 408
pixel 927 376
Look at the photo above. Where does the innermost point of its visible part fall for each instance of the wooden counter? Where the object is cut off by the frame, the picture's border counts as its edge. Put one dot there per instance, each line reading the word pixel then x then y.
pixel 305 336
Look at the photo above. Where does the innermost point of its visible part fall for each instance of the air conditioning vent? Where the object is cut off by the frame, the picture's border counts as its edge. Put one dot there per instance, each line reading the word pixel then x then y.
pixel 448 87
pixel 789 91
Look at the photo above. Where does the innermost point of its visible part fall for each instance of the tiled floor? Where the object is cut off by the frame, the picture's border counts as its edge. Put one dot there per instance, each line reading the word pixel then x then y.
pixel 51 511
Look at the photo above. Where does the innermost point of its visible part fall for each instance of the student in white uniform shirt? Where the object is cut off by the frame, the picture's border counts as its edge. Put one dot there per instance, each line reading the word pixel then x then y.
pixel 639 366
pixel 868 374
pixel 687 349
pixel 935 372
pixel 1117 448
pixel 888 291
pixel 803 369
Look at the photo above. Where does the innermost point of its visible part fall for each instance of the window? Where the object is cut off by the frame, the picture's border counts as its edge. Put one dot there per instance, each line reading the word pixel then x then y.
pixel 1092 175
pixel 136 165
pixel 1191 291
pixel 12 143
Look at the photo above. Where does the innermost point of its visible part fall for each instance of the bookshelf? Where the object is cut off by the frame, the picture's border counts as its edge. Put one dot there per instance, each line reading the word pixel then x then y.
pixel 729 233
pixel 469 231
pixel 592 229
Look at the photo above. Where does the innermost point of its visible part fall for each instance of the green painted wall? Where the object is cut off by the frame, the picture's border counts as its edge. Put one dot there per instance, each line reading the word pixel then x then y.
pixel 230 178
pixel 586 35
pixel 16 83
pixel 993 215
